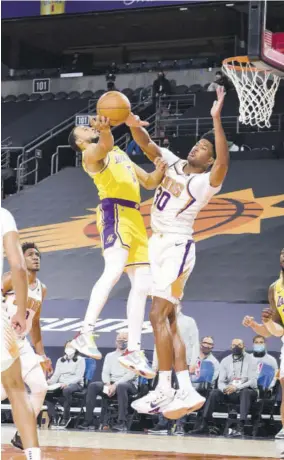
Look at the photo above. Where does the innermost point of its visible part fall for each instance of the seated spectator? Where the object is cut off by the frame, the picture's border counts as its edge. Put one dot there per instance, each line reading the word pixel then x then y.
pixel 190 335
pixel 205 354
pixel 262 357
pixel 116 381
pixel 133 149
pixel 237 384
pixel 69 375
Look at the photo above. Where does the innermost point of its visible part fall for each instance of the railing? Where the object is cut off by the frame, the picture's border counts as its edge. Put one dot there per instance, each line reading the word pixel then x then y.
pixel 174 106
pixel 121 142
pixel 199 126
pixel 22 172
pixel 6 142
pixel 55 159
pixel 6 153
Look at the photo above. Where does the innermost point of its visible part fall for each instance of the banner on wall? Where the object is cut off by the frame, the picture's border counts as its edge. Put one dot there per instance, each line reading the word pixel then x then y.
pixel 26 8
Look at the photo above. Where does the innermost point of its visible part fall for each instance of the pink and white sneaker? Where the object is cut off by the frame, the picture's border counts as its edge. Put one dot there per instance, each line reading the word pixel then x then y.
pixel 137 362
pixel 183 403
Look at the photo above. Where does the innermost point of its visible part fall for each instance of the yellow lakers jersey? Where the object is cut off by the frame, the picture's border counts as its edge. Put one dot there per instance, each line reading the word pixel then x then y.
pixel 118 178
pixel 279 297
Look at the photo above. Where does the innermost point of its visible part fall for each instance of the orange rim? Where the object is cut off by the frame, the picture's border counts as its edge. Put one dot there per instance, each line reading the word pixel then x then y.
pixel 241 60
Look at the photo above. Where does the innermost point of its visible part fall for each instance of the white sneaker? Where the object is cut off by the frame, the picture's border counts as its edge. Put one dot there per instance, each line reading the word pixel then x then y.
pixel 85 344
pixel 280 434
pixel 154 401
pixel 136 361
pixel 183 403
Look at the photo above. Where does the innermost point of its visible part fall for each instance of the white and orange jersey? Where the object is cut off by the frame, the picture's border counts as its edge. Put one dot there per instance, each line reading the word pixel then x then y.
pixel 35 298
pixel 179 198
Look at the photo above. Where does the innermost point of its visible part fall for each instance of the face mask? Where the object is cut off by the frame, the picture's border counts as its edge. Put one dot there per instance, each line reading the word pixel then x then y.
pixel 259 348
pixel 69 352
pixel 238 351
pixel 122 345
pixel 205 350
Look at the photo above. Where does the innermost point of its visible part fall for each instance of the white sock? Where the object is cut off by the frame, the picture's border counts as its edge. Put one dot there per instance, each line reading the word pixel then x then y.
pixel 140 286
pixel 115 261
pixel 33 453
pixel 165 380
pixel 184 381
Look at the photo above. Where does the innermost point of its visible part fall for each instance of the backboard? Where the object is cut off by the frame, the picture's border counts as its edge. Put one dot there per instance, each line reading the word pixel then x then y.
pixel 265 47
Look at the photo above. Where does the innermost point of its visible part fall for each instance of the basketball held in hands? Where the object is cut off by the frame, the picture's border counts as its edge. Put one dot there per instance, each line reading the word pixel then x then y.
pixel 115 106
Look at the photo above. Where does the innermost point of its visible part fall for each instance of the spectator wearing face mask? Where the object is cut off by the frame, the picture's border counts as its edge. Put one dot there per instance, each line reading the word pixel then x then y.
pixel 262 357
pixel 161 86
pixel 205 354
pixel 69 375
pixel 116 380
pixel 237 383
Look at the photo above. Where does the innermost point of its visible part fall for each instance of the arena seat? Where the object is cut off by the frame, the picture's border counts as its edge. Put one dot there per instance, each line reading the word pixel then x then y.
pixel 22 97
pixel 73 95
pixel 60 96
pixel 47 97
pixel 87 94
pixel 35 97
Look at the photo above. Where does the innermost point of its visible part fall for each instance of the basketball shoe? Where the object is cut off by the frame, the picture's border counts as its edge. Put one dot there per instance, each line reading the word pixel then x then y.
pixel 137 362
pixel 154 402
pixel 85 344
pixel 183 403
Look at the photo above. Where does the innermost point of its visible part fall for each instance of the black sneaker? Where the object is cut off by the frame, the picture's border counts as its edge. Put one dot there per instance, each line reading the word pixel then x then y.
pixel 120 426
pixel 179 430
pixel 159 429
pixel 17 442
pixel 86 426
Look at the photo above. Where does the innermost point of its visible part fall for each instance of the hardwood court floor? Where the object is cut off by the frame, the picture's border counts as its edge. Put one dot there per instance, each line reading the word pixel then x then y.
pixel 76 445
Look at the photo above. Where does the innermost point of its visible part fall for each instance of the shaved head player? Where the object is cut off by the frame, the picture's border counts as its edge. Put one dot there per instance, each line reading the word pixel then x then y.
pixel 123 235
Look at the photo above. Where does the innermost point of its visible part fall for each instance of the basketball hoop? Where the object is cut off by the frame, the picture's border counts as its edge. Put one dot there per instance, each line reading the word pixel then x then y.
pixel 256 90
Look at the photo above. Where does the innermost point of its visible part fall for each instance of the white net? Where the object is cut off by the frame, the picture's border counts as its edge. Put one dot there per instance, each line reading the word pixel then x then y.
pixel 256 90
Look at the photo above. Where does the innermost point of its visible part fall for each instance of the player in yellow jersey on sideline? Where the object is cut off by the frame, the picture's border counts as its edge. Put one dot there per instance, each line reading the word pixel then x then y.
pixel 123 235
pixel 273 324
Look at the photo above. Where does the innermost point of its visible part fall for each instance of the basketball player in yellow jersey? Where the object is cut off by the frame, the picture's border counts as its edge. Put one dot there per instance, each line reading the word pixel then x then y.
pixel 273 324
pixel 123 235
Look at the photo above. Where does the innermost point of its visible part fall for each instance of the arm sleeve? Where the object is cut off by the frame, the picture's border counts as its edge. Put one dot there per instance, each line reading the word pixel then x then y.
pixel 129 375
pixel 169 156
pixel 252 376
pixel 80 371
pixel 275 366
pixel 106 370
pixel 56 374
pixel 8 223
pixel 222 376
pixel 216 370
pixel 194 344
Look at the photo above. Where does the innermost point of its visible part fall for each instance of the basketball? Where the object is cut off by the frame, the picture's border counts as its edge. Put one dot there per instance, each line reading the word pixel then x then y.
pixel 115 106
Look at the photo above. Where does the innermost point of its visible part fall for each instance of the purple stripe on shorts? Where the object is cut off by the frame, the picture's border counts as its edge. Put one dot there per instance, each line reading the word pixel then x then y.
pixel 108 235
pixel 127 203
pixel 187 248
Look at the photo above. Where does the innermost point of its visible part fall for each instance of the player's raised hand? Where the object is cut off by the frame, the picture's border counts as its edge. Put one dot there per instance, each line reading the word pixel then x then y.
pixel 161 165
pixel 267 315
pixel 133 121
pixel 248 321
pixel 218 104
pixel 19 322
pixel 100 123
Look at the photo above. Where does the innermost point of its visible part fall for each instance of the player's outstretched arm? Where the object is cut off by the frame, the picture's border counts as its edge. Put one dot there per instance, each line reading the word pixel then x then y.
pixel 221 164
pixel 141 136
pixel 96 152
pixel 150 181
pixel 19 277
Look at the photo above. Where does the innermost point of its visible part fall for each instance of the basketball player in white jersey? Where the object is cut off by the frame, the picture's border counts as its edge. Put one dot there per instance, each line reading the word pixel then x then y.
pixel 11 377
pixel 31 361
pixel 186 188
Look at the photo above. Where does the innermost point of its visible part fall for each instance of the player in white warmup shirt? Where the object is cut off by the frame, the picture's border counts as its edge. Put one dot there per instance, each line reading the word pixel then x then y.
pixel 31 361
pixel 187 187
pixel 11 377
